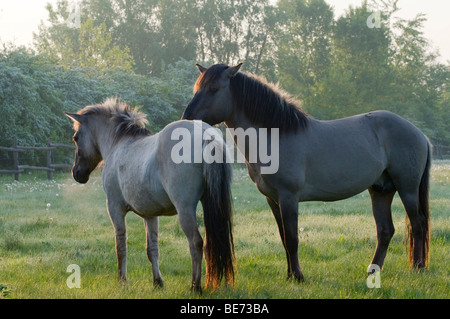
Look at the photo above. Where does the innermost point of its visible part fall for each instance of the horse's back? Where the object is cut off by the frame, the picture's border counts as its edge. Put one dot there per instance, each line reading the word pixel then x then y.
pixel 379 132
pixel 341 158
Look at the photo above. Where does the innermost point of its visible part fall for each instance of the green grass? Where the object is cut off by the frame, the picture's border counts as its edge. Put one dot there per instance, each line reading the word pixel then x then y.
pixel 46 226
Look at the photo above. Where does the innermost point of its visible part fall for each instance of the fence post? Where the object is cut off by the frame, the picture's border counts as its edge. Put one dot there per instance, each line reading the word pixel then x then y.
pixel 439 151
pixel 49 160
pixel 16 160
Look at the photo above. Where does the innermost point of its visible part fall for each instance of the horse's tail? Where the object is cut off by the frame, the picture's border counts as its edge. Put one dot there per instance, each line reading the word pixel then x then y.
pixel 424 215
pixel 217 210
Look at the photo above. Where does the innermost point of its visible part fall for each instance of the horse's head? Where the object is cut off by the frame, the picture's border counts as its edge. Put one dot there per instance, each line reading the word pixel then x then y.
pixel 212 101
pixel 87 154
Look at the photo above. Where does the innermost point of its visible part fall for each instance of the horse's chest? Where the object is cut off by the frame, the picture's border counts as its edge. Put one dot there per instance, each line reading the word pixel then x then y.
pixel 261 184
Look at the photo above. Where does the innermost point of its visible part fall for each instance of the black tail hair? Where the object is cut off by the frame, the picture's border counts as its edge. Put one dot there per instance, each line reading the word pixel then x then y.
pixel 218 211
pixel 424 212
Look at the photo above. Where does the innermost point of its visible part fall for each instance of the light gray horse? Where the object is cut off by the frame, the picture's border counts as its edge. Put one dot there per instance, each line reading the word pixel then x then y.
pixel 139 175
pixel 323 160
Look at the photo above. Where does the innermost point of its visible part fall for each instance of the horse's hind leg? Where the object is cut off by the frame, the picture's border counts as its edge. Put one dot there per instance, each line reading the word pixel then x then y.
pixel 151 230
pixel 188 222
pixel 418 229
pixel 381 207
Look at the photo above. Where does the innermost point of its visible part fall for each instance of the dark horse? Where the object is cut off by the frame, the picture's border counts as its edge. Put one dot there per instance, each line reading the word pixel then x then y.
pixel 324 160
pixel 140 175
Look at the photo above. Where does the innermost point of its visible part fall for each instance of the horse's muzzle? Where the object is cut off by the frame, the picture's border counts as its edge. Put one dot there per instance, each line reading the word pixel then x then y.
pixel 79 176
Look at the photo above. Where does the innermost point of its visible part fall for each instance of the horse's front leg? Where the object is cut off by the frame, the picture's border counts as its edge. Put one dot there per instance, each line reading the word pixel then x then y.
pixel 151 229
pixel 117 214
pixel 286 215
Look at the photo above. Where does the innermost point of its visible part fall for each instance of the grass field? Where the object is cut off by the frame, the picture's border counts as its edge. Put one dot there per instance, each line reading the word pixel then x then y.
pixel 47 226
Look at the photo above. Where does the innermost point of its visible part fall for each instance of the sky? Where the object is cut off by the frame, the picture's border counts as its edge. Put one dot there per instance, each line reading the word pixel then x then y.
pixel 20 18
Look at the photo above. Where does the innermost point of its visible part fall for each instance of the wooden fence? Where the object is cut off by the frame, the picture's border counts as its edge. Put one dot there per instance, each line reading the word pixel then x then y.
pixel 20 168
pixel 441 151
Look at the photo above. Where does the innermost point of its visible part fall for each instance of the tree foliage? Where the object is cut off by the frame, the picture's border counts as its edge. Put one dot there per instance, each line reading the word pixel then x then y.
pixel 348 66
pixel 303 44
pixel 157 33
pixel 144 52
pixel 34 93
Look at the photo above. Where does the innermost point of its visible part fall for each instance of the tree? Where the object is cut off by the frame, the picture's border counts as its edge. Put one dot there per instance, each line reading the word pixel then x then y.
pixel 88 46
pixel 53 40
pixel 361 53
pixel 35 92
pixel 387 66
pixel 95 50
pixel 443 111
pixel 303 42
pixel 154 33
pixel 337 67
pixel 233 31
pixel 419 76
pixel 28 102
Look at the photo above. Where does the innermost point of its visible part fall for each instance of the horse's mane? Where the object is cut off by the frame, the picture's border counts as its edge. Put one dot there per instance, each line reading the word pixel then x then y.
pixel 127 121
pixel 264 103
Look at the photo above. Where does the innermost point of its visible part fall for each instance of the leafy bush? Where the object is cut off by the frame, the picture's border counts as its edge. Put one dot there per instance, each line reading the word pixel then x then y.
pixel 35 92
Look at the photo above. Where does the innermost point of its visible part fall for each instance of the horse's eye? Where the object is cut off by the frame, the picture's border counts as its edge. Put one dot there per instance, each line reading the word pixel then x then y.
pixel 213 89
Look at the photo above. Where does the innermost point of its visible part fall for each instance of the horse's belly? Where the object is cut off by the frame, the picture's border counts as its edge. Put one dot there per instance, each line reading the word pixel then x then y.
pixel 148 201
pixel 153 210
pixel 329 195
pixel 341 180
pixel 149 208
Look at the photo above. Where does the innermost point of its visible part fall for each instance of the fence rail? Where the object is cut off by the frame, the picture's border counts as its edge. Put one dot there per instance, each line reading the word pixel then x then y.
pixel 441 151
pixel 20 168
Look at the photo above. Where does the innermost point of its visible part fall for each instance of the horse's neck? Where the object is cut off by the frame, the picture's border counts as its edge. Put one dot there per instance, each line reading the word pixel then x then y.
pixel 240 120
pixel 247 136
pixel 105 141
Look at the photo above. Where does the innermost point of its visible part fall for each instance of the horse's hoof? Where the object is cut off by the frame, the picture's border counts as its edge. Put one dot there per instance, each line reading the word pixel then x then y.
pixel 122 281
pixel 158 283
pixel 419 266
pixel 196 289
pixel 297 277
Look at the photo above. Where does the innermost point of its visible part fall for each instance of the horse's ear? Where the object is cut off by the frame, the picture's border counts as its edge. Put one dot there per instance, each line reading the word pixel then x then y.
pixel 232 71
pixel 202 69
pixel 74 117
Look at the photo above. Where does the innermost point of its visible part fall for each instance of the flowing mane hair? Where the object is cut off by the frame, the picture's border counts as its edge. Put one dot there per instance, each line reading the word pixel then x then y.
pixel 264 103
pixel 127 121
